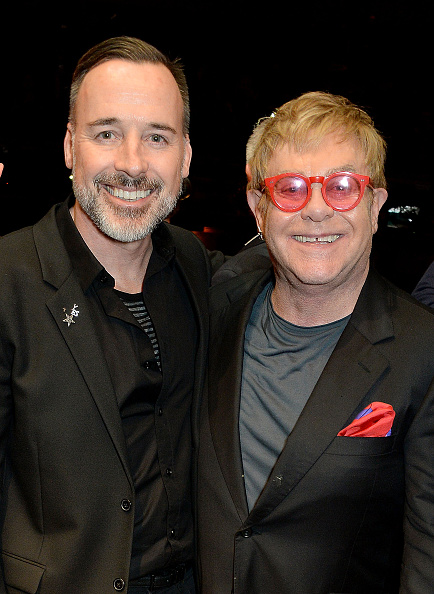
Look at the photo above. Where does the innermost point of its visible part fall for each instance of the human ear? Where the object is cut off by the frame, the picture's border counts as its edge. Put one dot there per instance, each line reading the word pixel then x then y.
pixel 253 198
pixel 187 157
pixel 67 146
pixel 380 197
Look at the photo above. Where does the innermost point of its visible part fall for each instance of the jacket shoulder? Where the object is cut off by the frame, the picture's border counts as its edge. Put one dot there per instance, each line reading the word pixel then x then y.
pixel 191 255
pixel 17 248
pixel 404 304
pixel 186 242
pixel 251 258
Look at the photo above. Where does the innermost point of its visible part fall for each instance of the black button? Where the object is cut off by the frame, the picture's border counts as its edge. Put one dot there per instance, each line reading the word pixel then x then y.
pixel 247 533
pixel 126 505
pixel 160 412
pixel 103 278
pixel 119 584
pixel 169 472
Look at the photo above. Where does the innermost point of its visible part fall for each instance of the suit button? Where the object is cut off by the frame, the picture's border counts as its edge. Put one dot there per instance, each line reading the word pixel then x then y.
pixel 119 584
pixel 169 471
pixel 247 533
pixel 126 505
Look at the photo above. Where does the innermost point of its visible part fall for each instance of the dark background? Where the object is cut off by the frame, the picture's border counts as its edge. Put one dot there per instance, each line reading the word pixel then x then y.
pixel 241 61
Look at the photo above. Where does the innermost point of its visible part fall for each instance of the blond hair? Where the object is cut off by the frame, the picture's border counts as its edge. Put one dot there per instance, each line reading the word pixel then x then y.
pixel 304 122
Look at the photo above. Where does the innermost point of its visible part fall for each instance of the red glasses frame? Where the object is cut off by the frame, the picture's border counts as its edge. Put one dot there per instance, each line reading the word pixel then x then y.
pixel 364 181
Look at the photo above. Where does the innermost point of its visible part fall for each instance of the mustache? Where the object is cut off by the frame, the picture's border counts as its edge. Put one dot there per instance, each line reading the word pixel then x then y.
pixel 136 183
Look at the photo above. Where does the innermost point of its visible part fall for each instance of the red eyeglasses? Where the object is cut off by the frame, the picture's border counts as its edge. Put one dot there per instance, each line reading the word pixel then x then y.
pixel 342 191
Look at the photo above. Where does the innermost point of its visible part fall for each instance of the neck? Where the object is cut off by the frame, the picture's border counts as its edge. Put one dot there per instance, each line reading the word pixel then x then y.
pixel 125 262
pixel 314 305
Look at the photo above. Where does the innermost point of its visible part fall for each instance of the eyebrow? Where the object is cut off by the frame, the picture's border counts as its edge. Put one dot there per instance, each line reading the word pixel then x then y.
pixel 103 122
pixel 346 167
pixel 112 121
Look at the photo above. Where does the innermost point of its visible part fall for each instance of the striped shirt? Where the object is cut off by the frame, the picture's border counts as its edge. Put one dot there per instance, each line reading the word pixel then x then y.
pixel 136 305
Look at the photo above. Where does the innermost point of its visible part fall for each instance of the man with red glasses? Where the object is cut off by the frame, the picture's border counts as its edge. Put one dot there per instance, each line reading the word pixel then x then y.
pixel 316 465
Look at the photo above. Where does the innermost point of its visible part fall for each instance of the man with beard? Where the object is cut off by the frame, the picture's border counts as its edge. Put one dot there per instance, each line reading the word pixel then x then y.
pixel 102 346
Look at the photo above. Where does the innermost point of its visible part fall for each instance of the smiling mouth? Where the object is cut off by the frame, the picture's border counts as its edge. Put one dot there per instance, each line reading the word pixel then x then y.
pixel 129 195
pixel 318 240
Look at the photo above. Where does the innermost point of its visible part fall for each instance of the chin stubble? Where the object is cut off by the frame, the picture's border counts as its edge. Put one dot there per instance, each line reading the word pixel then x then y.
pixel 126 223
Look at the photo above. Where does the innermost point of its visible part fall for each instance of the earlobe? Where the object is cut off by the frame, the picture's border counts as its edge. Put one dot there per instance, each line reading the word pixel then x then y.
pixel 248 172
pixel 187 157
pixel 253 198
pixel 380 197
pixel 67 147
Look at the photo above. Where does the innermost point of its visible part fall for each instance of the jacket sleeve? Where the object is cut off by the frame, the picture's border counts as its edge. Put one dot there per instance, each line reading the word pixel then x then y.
pixel 417 575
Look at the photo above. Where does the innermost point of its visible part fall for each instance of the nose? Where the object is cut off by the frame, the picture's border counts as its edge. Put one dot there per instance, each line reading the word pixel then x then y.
pixel 317 208
pixel 131 156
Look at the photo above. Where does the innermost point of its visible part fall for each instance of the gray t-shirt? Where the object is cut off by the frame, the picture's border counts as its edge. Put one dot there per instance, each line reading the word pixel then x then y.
pixel 282 363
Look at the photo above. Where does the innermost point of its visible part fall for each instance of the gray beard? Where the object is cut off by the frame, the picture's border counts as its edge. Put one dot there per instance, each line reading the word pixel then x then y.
pixel 126 224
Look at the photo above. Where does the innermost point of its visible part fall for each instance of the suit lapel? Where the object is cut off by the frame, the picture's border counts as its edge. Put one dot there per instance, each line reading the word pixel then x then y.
pixel 353 368
pixel 225 368
pixel 333 403
pixel 79 334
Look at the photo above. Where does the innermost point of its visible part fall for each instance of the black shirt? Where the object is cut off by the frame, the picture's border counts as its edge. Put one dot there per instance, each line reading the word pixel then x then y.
pixel 154 405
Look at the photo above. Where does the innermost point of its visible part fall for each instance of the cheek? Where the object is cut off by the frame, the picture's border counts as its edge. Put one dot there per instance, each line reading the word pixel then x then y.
pixel 278 224
pixel 374 218
pixel 88 164
pixel 362 220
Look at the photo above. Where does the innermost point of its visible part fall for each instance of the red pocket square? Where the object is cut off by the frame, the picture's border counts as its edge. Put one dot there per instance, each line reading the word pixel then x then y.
pixel 375 420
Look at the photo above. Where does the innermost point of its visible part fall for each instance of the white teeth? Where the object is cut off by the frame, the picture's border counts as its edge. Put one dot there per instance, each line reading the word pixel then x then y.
pixel 126 194
pixel 307 239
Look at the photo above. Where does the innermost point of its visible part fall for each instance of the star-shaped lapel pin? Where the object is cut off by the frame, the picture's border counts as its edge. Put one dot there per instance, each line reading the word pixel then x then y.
pixel 69 318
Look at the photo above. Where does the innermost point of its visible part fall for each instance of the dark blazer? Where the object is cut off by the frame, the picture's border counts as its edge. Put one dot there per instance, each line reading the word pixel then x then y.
pixel 64 525
pixel 330 517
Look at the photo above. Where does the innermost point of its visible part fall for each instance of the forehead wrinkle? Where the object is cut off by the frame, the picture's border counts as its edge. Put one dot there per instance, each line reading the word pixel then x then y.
pixel 110 121
pixel 347 167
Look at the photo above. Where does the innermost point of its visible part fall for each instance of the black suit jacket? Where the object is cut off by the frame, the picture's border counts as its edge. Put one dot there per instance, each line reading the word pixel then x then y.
pixel 331 516
pixel 65 468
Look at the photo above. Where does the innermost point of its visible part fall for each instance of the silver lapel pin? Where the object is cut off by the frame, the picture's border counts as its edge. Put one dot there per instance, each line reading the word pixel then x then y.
pixel 69 318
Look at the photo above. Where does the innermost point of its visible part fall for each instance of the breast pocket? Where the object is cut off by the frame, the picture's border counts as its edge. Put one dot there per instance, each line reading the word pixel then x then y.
pixel 365 468
pixel 361 446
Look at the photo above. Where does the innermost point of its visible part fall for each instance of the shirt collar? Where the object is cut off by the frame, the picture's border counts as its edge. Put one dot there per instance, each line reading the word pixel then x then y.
pixel 88 268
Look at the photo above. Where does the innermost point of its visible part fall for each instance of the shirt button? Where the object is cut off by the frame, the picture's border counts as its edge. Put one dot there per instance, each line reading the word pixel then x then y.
pixel 247 533
pixel 126 505
pixel 169 471
pixel 119 584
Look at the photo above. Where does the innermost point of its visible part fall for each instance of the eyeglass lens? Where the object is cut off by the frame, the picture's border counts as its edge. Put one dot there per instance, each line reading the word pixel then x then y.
pixel 341 192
